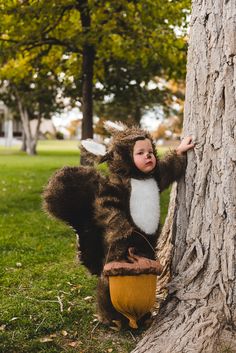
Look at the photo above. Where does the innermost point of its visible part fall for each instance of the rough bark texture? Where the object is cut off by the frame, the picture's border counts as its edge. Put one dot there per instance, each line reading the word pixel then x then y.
pixel 199 314
pixel 165 250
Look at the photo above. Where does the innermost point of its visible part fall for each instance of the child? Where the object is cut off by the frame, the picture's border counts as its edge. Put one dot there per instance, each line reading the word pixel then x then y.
pixel 121 218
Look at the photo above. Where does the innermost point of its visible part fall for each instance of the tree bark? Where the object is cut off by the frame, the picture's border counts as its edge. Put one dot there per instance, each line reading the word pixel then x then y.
pixel 88 56
pixel 29 139
pixel 199 314
pixel 23 146
pixel 87 92
pixel 137 115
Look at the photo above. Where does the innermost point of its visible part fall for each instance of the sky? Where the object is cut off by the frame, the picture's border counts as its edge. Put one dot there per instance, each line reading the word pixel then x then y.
pixel 150 120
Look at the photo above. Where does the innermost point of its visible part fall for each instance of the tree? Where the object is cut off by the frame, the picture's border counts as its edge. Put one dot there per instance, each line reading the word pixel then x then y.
pixel 31 93
pixel 93 35
pixel 130 68
pixel 133 90
pixel 199 314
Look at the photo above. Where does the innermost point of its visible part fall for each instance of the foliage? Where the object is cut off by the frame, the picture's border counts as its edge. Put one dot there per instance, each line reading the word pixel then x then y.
pixel 37 92
pixel 134 42
pixel 146 48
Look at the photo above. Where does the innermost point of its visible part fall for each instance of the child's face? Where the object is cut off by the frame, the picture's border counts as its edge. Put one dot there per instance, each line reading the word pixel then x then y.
pixel 143 156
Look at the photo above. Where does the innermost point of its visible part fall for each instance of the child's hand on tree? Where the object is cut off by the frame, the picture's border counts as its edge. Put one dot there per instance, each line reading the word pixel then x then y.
pixel 185 145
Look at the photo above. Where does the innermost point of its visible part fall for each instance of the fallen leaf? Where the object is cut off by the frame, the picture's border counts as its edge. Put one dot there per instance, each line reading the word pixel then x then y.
pixel 64 333
pixel 73 344
pixel 46 339
pixel 53 335
pixel 3 327
pixel 110 350
pixel 88 298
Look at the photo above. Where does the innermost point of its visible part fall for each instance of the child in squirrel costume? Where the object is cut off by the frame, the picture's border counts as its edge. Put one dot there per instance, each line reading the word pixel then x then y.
pixel 116 217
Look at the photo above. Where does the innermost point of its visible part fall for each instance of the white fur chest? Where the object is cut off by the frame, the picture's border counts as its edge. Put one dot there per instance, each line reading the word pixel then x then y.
pixel 145 204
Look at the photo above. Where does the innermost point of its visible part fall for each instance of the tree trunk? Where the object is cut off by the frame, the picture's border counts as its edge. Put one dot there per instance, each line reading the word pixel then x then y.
pixel 87 72
pixel 199 314
pixel 137 115
pixel 87 97
pixel 30 140
pixel 23 146
pixel 87 92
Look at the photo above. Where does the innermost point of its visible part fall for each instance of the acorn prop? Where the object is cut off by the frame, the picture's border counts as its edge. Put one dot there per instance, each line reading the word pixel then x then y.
pixel 132 285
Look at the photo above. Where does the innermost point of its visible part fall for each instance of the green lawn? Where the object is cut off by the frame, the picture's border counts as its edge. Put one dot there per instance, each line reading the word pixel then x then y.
pixel 47 299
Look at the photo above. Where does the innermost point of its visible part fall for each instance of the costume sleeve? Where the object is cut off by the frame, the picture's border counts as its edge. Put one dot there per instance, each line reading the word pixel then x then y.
pixel 170 169
pixel 112 212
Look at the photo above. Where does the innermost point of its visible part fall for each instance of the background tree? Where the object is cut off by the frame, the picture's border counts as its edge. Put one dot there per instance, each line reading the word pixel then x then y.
pixel 30 93
pixel 93 36
pixel 129 91
pixel 152 55
pixel 199 314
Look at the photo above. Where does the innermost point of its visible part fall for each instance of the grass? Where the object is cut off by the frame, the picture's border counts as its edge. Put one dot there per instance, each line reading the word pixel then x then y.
pixel 47 298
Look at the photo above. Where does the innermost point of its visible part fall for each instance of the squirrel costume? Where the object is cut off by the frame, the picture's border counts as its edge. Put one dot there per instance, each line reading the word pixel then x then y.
pixel 116 217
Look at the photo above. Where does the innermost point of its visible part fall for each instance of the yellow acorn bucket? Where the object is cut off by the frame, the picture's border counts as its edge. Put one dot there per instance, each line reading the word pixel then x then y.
pixel 133 296
pixel 132 286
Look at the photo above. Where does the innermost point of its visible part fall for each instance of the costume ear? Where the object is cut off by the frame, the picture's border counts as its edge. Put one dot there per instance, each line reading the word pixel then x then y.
pixel 114 127
pixel 94 147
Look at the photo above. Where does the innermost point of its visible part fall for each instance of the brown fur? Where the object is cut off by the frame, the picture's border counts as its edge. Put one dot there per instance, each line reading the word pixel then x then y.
pixel 98 208
pixel 69 196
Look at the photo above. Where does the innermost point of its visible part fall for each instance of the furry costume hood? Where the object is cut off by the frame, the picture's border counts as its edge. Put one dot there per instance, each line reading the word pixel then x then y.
pixel 119 154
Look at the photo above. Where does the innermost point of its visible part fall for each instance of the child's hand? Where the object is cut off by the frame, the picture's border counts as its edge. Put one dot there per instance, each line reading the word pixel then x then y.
pixel 185 145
